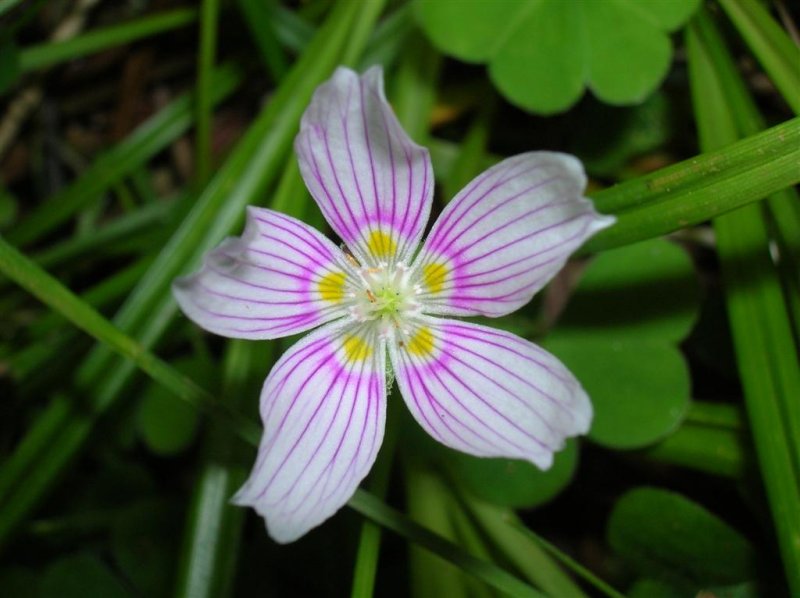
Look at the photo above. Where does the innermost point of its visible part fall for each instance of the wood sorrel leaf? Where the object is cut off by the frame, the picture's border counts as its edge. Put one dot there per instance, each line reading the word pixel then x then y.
pixel 167 426
pixel 542 54
pixel 514 483
pixel 619 335
pixel 667 536
pixel 639 389
pixel 645 291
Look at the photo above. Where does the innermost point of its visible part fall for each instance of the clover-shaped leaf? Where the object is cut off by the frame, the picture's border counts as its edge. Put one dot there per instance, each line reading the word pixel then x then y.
pixel 668 537
pixel 542 53
pixel 514 483
pixel 619 336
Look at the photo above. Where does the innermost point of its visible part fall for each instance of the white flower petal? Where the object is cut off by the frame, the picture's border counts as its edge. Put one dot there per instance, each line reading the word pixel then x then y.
pixel 505 235
pixel 487 392
pixel 323 407
pixel 373 184
pixel 280 278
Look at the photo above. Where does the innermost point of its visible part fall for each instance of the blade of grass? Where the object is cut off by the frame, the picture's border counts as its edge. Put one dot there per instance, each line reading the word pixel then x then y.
pixel 523 548
pixel 146 141
pixel 568 561
pixel 45 353
pixel 6 5
pixel 291 29
pixel 716 415
pixel 204 91
pixel 369 541
pixel 783 207
pixel 427 504
pixel 377 511
pixel 214 525
pixel 52 53
pixel 701 188
pixel 258 16
pixel 121 228
pixel 766 355
pixel 51 292
pixel 711 169
pixel 777 53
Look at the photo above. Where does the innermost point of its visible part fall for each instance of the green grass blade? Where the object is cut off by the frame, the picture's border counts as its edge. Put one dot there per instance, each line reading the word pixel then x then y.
pixel 786 221
pixel 568 561
pixel 779 56
pixel 369 541
pixel 152 215
pixel 52 53
pixel 502 527
pixel 54 294
pixel 704 187
pixel 6 5
pixel 765 350
pixel 146 141
pixel 258 15
pixel 214 525
pixel 204 90
pixel 374 509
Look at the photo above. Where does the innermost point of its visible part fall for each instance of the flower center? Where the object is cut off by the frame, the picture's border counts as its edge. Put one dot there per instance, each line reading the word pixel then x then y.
pixel 387 296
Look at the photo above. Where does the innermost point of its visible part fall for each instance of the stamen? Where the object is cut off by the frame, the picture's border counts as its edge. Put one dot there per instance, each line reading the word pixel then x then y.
pixel 387 297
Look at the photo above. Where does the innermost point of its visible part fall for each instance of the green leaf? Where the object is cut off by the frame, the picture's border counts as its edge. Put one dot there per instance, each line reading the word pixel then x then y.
pixel 79 576
pixel 639 389
pixel 514 483
pixel 709 449
pixel 52 53
pixel 668 537
pixel 618 336
pixel 167 426
pixel 542 54
pixel 645 291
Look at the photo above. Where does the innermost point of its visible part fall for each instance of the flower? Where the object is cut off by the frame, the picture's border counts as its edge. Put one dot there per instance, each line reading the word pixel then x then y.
pixel 474 388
